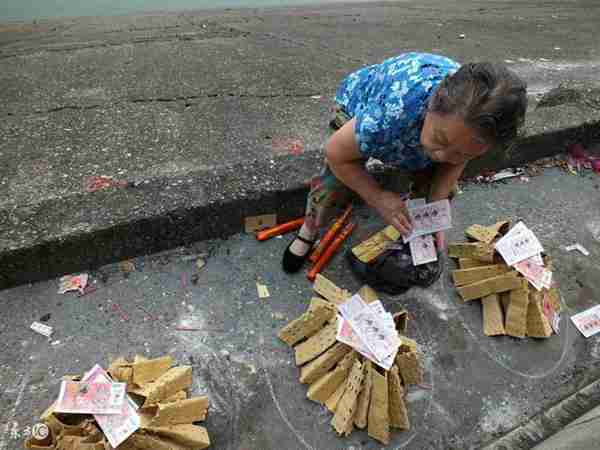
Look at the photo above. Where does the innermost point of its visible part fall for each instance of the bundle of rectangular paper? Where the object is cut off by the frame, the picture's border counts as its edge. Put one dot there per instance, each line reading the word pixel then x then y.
pixel 369 329
pixel 163 419
pixel 502 280
pixel 353 376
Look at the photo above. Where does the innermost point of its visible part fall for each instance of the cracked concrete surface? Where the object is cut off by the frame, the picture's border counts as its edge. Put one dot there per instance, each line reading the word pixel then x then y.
pixel 477 388
pixel 220 114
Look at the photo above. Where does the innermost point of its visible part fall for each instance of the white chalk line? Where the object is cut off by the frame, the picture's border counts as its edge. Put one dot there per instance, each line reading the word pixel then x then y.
pixel 13 412
pixel 297 433
pixel 507 367
pixel 276 400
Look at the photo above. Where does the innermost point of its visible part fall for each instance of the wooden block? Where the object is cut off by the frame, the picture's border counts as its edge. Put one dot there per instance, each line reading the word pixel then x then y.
pixel 537 323
pixel 187 435
pixel 144 441
pixel 346 409
pixel 146 370
pixel 468 276
pixel 181 395
pixel 516 316
pixel 257 223
pixel 410 369
pixel 362 408
pixel 480 233
pixel 493 319
pixel 407 345
pixel 376 244
pixel 468 263
pixel 323 364
pixel 486 234
pixel 398 412
pixel 490 286
pixel 330 291
pixel 185 411
pixel 316 344
pixel 325 386
pixel 120 370
pixel 333 400
pixel 175 380
pixel 319 312
pixel 401 321
pixel 554 297
pixel 504 301
pixel 368 294
pixel 379 411
pixel 477 250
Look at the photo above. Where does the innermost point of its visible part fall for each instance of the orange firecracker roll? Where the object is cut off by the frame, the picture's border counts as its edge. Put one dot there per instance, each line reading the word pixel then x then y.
pixel 335 245
pixel 280 229
pixel 330 236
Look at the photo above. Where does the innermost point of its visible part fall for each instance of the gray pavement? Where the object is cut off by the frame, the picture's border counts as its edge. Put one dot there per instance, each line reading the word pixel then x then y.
pixel 477 388
pixel 581 434
pixel 215 115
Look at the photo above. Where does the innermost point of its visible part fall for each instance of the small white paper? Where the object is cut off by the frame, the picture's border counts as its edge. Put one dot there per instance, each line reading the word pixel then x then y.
pixel 515 247
pixel 429 218
pixel 588 321
pixel 422 250
pixel 580 248
pixel 42 329
pixel 263 291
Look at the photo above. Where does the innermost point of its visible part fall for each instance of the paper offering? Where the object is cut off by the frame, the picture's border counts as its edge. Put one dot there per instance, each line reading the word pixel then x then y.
pixel 116 427
pixel 519 245
pixel 537 275
pixel 422 250
pixel 429 218
pixel 588 322
pixel 91 398
pixel 369 329
pixel 42 329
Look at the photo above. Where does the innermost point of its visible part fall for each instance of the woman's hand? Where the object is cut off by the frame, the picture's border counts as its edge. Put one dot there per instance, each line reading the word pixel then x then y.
pixel 440 239
pixel 393 210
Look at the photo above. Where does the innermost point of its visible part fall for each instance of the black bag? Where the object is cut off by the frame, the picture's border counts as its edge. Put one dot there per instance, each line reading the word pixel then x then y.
pixel 393 272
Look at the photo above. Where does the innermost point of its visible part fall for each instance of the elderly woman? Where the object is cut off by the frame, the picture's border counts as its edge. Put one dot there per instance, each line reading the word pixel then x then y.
pixel 423 113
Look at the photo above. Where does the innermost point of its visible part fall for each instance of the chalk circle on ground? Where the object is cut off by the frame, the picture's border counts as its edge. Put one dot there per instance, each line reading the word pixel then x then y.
pixel 310 422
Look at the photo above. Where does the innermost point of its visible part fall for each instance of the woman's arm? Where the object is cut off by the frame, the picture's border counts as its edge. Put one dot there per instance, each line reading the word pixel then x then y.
pixel 445 178
pixel 346 162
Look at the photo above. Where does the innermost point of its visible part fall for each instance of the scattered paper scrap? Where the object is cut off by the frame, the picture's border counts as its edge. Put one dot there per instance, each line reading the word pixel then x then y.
pixel 127 267
pixel 263 291
pixel 588 321
pixel 254 224
pixel 580 248
pixel 518 244
pixel 73 283
pixel 90 398
pixel 42 329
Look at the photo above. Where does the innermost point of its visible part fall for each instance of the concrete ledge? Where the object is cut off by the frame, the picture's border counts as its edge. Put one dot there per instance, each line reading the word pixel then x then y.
pixel 80 231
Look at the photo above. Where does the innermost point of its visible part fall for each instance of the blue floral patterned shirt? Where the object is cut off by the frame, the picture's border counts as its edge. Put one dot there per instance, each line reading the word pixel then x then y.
pixel 389 101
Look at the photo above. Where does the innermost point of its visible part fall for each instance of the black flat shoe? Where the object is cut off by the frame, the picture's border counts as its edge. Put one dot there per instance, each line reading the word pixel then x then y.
pixel 293 263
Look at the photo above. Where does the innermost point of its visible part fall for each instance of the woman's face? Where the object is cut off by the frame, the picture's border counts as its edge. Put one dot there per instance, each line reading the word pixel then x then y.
pixel 446 139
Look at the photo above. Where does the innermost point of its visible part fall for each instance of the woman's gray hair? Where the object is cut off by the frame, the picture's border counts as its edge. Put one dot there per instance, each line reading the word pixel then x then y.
pixel 489 97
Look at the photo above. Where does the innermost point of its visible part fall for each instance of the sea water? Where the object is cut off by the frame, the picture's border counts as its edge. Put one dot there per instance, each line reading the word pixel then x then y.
pixel 29 10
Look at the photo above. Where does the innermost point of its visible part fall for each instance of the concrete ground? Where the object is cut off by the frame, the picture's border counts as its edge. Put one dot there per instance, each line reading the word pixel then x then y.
pixel 220 114
pixel 477 388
